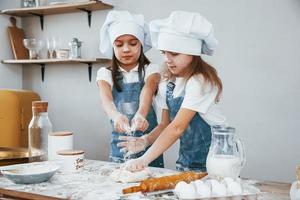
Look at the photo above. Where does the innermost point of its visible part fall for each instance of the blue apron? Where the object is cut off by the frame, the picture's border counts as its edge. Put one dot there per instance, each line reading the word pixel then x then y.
pixel 127 103
pixel 196 139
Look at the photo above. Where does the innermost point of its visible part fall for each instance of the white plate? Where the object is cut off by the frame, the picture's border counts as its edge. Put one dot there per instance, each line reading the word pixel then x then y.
pixel 30 173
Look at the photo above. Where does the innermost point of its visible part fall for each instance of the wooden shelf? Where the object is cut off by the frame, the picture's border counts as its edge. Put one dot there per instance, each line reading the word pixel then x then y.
pixel 57 61
pixel 41 11
pixel 57 9
pixel 43 62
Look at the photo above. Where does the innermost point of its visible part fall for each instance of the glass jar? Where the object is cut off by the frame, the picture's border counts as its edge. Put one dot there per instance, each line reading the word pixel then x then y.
pixel 38 130
pixel 226 156
pixel 295 188
pixel 75 48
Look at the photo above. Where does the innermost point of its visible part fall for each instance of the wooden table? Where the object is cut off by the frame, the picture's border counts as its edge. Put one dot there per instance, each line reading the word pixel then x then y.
pixel 94 183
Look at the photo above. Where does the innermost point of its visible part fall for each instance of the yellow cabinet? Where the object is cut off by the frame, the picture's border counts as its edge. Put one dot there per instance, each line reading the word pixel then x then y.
pixel 15 115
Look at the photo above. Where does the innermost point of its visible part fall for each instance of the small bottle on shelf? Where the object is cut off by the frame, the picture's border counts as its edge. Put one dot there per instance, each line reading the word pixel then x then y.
pixel 295 188
pixel 38 130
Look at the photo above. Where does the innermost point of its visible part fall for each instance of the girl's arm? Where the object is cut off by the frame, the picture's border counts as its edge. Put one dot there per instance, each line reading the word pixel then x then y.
pixel 134 145
pixel 120 120
pixel 146 97
pixel 147 94
pixel 153 135
pixel 170 134
pixel 168 137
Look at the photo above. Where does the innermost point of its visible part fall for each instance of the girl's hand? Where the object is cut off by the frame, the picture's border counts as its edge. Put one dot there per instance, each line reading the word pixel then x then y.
pixel 121 123
pixel 132 145
pixel 136 164
pixel 139 122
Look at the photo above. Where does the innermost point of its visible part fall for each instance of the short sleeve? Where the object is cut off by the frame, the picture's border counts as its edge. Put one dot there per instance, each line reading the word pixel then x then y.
pixel 160 98
pixel 198 96
pixel 104 74
pixel 152 69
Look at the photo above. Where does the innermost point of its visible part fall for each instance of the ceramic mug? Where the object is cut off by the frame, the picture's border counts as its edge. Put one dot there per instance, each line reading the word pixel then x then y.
pixel 71 160
pixel 59 141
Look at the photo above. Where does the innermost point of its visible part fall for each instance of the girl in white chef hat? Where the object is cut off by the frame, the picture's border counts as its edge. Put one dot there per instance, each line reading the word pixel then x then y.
pixel 129 83
pixel 189 92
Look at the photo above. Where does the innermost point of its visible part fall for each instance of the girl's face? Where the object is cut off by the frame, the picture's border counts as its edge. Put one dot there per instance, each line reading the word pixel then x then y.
pixel 177 63
pixel 127 49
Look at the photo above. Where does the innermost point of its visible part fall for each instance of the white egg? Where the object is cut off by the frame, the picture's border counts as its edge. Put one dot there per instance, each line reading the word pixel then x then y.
pixel 234 188
pixel 179 187
pixel 188 192
pixel 217 188
pixel 202 189
pixel 185 191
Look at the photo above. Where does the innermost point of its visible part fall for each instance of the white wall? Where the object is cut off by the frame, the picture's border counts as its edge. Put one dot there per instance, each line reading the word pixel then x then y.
pixel 10 75
pixel 258 61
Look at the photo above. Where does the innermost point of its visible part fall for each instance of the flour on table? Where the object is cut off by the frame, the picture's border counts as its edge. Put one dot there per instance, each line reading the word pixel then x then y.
pixel 125 176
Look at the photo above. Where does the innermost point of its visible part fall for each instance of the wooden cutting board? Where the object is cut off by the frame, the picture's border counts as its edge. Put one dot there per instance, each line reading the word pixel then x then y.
pixel 16 36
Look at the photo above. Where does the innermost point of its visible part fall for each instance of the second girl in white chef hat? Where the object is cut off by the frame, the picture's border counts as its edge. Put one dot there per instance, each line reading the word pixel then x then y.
pixel 188 94
pixel 128 85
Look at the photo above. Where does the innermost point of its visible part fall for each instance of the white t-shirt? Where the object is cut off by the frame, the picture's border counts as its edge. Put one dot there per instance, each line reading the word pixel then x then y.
pixel 128 77
pixel 197 97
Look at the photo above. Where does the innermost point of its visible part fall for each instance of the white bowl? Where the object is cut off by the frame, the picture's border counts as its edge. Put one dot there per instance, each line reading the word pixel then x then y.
pixel 30 173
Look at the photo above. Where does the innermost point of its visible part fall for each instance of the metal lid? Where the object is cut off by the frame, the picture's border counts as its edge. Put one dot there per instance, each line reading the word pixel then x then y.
pixel 70 152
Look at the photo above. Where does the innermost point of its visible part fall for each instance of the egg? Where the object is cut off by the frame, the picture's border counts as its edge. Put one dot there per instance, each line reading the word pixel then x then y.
pixel 217 188
pixel 234 188
pixel 202 189
pixel 185 191
pixel 179 187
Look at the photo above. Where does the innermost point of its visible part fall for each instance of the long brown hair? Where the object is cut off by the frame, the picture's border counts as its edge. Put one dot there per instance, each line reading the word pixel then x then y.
pixel 116 74
pixel 209 73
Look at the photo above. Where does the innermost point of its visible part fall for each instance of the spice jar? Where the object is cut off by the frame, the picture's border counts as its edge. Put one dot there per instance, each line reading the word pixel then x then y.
pixel 75 48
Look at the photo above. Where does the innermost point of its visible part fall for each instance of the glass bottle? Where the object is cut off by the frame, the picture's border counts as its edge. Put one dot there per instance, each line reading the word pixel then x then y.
pixel 38 130
pixel 295 188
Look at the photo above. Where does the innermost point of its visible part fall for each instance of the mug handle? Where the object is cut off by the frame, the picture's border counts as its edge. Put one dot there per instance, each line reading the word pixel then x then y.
pixel 241 147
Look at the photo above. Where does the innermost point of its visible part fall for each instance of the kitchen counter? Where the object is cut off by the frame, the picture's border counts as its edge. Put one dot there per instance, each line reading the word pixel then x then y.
pixel 94 183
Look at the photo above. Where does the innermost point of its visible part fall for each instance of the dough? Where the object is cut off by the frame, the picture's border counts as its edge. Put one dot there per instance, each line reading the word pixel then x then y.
pixel 124 176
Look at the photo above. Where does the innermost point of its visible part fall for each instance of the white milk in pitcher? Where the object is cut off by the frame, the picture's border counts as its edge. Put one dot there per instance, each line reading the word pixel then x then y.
pixel 223 166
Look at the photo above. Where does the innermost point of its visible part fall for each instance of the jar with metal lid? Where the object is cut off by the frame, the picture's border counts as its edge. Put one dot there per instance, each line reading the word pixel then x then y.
pixel 75 48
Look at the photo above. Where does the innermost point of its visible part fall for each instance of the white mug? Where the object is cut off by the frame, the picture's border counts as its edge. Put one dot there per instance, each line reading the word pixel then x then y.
pixel 59 141
pixel 71 160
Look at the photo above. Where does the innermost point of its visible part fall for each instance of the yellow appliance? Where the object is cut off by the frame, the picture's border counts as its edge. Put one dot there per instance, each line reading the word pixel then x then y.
pixel 15 115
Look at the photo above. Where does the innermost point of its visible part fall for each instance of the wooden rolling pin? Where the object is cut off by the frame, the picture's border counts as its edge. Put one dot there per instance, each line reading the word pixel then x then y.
pixel 164 182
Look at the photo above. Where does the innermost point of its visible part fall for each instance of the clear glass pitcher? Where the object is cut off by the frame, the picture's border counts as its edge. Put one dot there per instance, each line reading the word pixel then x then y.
pixel 226 156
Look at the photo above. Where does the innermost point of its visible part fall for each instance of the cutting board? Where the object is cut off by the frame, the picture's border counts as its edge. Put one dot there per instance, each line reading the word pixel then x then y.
pixel 16 36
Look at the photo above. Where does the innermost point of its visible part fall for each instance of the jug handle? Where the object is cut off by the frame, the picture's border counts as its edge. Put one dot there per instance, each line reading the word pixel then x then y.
pixel 241 146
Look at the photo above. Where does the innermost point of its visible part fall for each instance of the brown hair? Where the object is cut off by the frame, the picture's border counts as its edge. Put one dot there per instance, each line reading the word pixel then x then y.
pixel 116 74
pixel 209 73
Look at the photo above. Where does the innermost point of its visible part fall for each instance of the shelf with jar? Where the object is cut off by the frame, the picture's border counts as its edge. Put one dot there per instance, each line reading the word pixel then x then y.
pixel 55 54
pixel 41 11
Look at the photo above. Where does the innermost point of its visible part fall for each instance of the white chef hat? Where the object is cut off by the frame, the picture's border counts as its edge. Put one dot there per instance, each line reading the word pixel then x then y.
pixel 183 32
pixel 119 23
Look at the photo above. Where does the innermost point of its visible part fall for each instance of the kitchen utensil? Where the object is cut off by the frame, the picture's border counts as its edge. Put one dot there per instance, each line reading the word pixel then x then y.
pixel 75 48
pixel 164 182
pixel 16 36
pixel 10 156
pixel 226 156
pixel 62 53
pixel 34 46
pixel 30 173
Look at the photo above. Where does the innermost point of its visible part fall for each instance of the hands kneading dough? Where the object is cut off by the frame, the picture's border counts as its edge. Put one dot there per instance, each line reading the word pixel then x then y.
pixel 125 176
